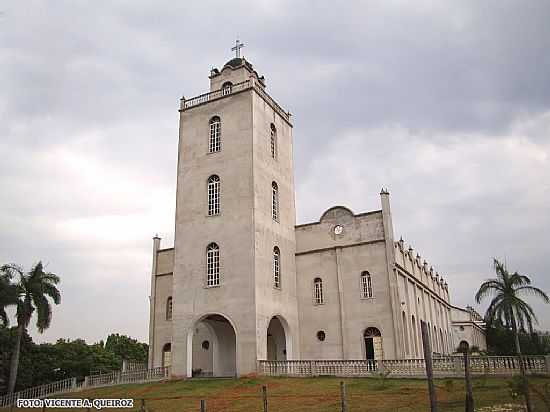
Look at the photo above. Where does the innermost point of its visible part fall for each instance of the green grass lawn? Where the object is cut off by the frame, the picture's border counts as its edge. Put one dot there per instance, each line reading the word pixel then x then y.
pixel 307 394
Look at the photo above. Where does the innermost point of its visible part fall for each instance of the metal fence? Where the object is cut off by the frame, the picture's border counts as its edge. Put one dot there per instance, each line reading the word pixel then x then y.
pixel 92 381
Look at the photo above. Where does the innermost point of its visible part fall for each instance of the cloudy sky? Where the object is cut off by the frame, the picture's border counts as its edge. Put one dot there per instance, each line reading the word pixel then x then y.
pixel 446 103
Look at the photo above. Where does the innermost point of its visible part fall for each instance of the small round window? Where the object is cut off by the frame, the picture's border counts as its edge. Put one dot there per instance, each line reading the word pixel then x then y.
pixel 321 335
pixel 206 345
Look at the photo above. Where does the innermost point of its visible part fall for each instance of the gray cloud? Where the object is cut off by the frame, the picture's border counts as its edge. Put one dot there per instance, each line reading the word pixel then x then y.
pixel 446 103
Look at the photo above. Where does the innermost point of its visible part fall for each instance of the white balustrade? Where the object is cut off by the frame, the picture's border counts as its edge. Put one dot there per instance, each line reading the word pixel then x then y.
pixel 445 366
pixel 92 381
pixel 236 88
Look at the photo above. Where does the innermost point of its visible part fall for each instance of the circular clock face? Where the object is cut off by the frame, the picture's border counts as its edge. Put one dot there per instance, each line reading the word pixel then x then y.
pixel 338 230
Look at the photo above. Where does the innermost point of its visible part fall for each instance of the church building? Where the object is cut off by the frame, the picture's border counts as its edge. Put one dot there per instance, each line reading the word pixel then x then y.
pixel 244 283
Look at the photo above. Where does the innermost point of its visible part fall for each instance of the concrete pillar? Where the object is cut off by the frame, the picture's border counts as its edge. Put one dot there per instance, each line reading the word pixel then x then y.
pixel 156 247
pixel 398 349
pixel 182 350
pixel 547 360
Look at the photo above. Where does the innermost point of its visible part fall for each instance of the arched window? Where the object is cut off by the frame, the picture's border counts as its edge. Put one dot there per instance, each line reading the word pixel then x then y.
pixel 169 308
pixel 226 88
pixel 167 355
pixel 406 333
pixel 414 335
pixel 275 201
pixel 276 267
pixel 273 141
pixel 215 141
pixel 212 265
pixel 318 291
pixel 213 195
pixel 366 285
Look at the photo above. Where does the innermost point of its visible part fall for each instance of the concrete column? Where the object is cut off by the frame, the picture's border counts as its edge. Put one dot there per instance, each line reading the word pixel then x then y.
pixel 398 349
pixel 182 350
pixel 156 247
pixel 547 360
pixel 341 302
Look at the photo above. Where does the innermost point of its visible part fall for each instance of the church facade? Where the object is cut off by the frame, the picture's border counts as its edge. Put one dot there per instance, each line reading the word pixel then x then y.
pixel 243 282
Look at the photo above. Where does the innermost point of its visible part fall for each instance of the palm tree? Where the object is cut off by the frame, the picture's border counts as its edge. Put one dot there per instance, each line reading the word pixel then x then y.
pixel 507 305
pixel 33 290
pixel 8 294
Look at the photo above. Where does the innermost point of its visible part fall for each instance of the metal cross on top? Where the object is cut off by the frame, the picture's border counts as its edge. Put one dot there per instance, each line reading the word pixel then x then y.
pixel 237 48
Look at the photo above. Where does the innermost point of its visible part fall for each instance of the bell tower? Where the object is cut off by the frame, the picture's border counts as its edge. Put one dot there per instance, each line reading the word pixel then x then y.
pixel 234 273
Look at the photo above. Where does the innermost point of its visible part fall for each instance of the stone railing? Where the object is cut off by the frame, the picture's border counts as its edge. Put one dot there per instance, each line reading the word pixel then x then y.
pixel 216 94
pixel 92 381
pixel 129 366
pixel 235 88
pixel 117 378
pixel 448 366
pixel 269 100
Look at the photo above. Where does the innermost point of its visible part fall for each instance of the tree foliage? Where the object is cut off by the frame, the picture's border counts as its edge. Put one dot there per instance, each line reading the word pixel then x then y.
pixel 49 362
pixel 500 341
pixel 507 305
pixel 33 291
pixel 127 348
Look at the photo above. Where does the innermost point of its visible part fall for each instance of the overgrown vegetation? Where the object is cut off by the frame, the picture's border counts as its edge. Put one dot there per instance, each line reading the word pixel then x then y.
pixel 47 362
pixel 500 341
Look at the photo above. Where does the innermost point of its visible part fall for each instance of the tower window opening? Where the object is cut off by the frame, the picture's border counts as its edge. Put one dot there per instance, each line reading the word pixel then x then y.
pixel 213 195
pixel 214 143
pixel 276 267
pixel 273 141
pixel 213 265
pixel 366 285
pixel 169 306
pixel 275 201
pixel 318 298
pixel 226 88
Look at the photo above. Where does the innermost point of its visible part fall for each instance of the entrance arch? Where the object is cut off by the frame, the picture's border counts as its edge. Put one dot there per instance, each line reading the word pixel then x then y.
pixel 463 346
pixel 212 347
pixel 167 355
pixel 277 339
pixel 373 344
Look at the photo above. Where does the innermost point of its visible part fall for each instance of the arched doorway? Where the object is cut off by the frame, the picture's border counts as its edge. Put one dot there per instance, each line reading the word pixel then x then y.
pixel 373 344
pixel 167 355
pixel 276 340
pixel 463 346
pixel 212 347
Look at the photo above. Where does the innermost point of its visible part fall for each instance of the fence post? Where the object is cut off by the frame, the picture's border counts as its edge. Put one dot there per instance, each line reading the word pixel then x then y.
pixel 264 397
pixel 547 361
pixel 469 394
pixel 142 407
pixel 429 366
pixel 343 398
pixel 203 405
pixel 73 384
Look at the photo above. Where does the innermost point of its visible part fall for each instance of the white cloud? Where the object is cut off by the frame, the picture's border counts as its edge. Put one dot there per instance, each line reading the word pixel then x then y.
pixel 461 199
